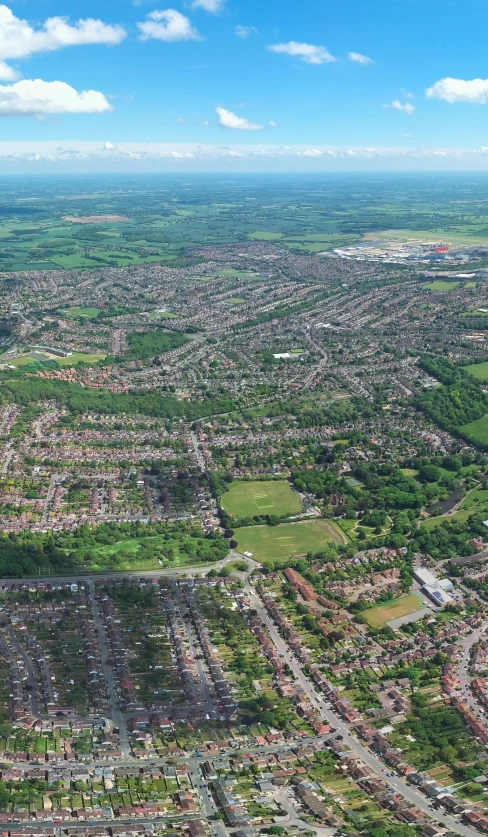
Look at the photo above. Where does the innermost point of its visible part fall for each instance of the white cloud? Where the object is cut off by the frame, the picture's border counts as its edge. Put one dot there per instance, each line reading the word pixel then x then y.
pixel 18 39
pixel 273 124
pixel 8 73
pixel 359 58
pixel 38 97
pixel 305 52
pixel 458 90
pixel 311 152
pixel 109 146
pixel 212 6
pixel 168 25
pixel 227 119
pixel 405 108
pixel 245 31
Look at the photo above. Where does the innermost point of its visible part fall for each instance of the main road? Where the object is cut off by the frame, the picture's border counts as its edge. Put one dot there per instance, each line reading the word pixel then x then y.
pixel 371 760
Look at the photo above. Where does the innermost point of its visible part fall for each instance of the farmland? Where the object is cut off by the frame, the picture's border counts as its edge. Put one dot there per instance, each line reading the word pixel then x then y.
pixel 278 543
pixel 250 499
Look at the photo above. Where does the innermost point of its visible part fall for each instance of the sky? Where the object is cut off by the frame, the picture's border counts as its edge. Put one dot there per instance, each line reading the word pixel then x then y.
pixel 243 85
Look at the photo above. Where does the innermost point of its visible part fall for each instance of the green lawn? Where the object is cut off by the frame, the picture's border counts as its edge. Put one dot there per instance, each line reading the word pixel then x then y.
pixel 478 370
pixel 78 313
pixel 251 499
pixel 278 543
pixel 72 360
pixel 440 285
pixel 476 499
pixel 79 357
pixel 478 430
pixel 432 523
pixel 377 617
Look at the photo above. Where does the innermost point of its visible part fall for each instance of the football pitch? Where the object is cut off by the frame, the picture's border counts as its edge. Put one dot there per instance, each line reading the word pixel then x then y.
pixel 251 499
pixel 377 617
pixel 278 543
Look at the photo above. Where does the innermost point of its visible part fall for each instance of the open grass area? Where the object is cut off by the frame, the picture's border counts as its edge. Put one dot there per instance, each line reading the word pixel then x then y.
pixel 278 543
pixel 78 313
pixel 478 370
pixel 377 617
pixel 476 499
pixel 250 499
pixel 79 357
pixel 72 360
pixel 432 523
pixel 478 430
pixel 131 554
pixel 441 285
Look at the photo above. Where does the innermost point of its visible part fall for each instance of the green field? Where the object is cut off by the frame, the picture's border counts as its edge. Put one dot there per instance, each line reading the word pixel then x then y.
pixel 377 617
pixel 440 285
pixel 432 523
pixel 78 313
pixel 476 499
pixel 126 555
pixel 478 370
pixel 72 360
pixel 251 499
pixel 478 430
pixel 278 543
pixel 79 357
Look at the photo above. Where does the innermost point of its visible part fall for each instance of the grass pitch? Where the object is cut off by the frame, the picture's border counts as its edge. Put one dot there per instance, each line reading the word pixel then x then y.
pixel 478 430
pixel 250 499
pixel 377 617
pixel 278 543
pixel 478 370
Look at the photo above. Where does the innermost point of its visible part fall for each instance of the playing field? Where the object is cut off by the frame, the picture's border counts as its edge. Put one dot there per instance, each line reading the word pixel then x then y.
pixel 78 313
pixel 478 370
pixel 251 499
pixel 478 430
pixel 440 285
pixel 377 617
pixel 278 543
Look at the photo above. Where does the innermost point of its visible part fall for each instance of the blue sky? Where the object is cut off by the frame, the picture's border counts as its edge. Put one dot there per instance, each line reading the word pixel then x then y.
pixel 243 85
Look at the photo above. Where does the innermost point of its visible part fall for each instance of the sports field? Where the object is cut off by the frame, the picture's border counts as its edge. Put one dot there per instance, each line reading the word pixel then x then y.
pixel 377 617
pixel 478 370
pixel 278 543
pixel 78 313
pixel 477 430
pixel 440 285
pixel 250 499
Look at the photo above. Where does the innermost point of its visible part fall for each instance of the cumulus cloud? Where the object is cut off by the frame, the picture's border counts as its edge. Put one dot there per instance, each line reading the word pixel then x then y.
pixel 212 6
pixel 398 105
pixel 167 25
pixel 40 97
pixel 309 53
pixel 245 32
pixel 109 146
pixel 453 90
pixel 359 58
pixel 227 119
pixel 18 39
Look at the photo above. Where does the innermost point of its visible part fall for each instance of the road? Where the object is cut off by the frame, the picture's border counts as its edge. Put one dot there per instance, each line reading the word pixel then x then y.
pixel 370 759
pixel 208 804
pixel 108 672
pixel 31 675
pixel 197 451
